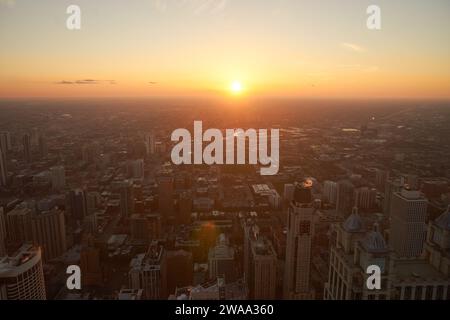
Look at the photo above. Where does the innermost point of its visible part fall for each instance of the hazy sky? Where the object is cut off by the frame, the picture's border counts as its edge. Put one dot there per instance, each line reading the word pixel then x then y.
pixel 198 47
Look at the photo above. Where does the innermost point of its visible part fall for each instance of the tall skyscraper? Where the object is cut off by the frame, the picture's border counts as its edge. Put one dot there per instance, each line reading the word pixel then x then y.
pixel 147 272
pixel 58 176
pixel 365 198
pixel 22 275
pixel 165 196
pixel 184 208
pixel 344 198
pixel 300 230
pixel 48 230
pixel 330 191
pixel 90 262
pixel 5 141
pixel 77 201
pixel 126 198
pixel 262 277
pixel 179 269
pixel 408 228
pixel 2 233
pixel 18 224
pixel 221 260
pixel 3 168
pixel 26 143
pixel 392 186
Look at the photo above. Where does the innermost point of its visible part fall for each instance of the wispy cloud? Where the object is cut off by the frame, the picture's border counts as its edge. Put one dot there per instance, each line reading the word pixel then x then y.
pixel 152 82
pixel 352 46
pixel 86 81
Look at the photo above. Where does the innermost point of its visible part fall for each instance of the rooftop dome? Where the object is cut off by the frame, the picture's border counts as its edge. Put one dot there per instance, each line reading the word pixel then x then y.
pixel 443 220
pixel 354 222
pixel 374 242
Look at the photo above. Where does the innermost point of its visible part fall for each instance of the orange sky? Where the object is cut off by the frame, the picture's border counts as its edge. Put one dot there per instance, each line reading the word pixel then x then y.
pixel 198 48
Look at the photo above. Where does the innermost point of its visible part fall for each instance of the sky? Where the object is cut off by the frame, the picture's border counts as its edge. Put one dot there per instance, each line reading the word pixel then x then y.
pixel 273 48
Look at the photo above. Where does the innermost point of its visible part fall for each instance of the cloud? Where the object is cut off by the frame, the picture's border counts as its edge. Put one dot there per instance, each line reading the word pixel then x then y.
pixel 353 47
pixel 8 3
pixel 152 82
pixel 85 81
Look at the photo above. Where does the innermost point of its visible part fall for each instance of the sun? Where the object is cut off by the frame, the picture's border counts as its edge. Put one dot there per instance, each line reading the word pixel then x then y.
pixel 236 87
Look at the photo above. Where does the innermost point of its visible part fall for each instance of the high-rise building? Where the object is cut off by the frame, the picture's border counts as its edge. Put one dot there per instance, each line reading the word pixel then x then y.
pixel 90 262
pixel 300 231
pixel 3 234
pixel 221 260
pixel 179 269
pixel 381 177
pixel 330 191
pixel 126 198
pixel 288 193
pixel 18 224
pixel 58 176
pixel 408 229
pixel 262 277
pixel 77 201
pixel 365 198
pixel 353 249
pixel 3 168
pixel 22 275
pixel 26 143
pixel 184 209
pixel 150 143
pixel 392 186
pixel 5 141
pixel 147 272
pixel 48 230
pixel 344 198
pixel 165 196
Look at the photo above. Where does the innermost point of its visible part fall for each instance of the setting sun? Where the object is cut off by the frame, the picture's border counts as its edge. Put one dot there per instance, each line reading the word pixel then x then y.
pixel 236 87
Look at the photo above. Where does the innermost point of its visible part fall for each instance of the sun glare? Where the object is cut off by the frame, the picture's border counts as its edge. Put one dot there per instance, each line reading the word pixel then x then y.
pixel 236 87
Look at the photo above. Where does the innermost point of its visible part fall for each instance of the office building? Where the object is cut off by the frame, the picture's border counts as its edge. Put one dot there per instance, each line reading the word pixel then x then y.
pixel 408 229
pixel 300 231
pixel 48 230
pixel 22 275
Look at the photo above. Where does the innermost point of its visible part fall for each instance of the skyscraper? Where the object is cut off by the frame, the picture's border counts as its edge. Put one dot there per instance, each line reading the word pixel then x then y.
pixel 58 175
pixel 126 198
pixel 3 168
pixel 22 275
pixel 90 262
pixel 165 196
pixel 300 230
pixel 221 260
pixel 330 191
pixel 48 230
pixel 147 272
pixel 26 143
pixel 392 186
pixel 77 201
pixel 2 233
pixel 408 229
pixel 262 277
pixel 18 224
pixel 344 198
